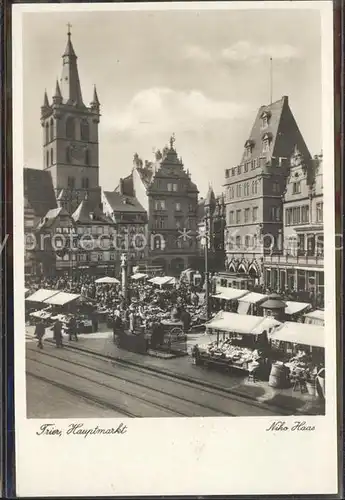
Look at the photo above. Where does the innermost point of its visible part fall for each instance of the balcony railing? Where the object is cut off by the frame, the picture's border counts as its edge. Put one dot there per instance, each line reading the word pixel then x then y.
pixel 293 260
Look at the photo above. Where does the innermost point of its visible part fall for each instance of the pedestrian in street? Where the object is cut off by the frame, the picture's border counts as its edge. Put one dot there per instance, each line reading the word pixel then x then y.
pixel 57 330
pixel 39 333
pixel 72 329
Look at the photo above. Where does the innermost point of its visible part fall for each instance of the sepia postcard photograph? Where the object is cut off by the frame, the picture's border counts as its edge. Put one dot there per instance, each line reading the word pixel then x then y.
pixel 174 248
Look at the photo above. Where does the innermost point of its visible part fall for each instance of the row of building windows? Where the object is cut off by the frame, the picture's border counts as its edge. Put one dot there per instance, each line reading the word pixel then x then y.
pixel 300 215
pixel 98 230
pixel 87 257
pixel 161 205
pixel 70 130
pixel 235 217
pixel 249 188
pixel 50 157
pixel 162 223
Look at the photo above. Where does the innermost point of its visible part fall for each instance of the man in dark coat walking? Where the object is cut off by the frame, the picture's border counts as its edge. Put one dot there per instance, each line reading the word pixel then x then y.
pixel 57 330
pixel 72 329
pixel 39 333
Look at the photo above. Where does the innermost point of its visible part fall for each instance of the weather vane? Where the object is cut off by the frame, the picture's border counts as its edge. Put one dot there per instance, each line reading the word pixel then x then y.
pixel 69 26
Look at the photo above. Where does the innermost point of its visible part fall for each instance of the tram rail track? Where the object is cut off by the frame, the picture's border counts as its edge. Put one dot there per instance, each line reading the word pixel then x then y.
pixel 133 367
pixel 186 381
pixel 113 376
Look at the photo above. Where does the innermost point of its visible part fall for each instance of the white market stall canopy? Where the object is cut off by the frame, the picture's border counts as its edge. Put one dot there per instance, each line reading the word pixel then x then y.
pixel 229 293
pixel 41 295
pixel 253 297
pixel 249 299
pixel 62 298
pixel 316 317
pixel 233 322
pixel 139 276
pixel 107 280
pixel 163 280
pixel 300 333
pixel 293 307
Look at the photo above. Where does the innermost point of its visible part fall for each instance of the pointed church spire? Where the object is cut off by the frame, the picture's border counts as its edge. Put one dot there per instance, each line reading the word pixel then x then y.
pixel 45 100
pixel 57 97
pixel 69 83
pixel 95 101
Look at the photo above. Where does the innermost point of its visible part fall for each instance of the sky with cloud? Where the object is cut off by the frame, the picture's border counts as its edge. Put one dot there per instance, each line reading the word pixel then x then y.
pixel 201 75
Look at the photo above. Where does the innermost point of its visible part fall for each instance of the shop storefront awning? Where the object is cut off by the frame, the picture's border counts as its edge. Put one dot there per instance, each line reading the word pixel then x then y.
pixel 139 276
pixel 238 323
pixel 293 307
pixel 253 297
pixel 41 295
pixel 300 333
pixel 229 293
pixel 163 280
pixel 316 317
pixel 62 298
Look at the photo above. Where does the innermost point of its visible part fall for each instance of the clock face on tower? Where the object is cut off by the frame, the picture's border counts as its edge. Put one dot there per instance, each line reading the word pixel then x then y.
pixel 78 152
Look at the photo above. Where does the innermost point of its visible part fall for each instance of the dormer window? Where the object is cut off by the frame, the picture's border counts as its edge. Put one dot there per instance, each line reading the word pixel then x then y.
pixel 265 119
pixel 266 143
pixel 248 148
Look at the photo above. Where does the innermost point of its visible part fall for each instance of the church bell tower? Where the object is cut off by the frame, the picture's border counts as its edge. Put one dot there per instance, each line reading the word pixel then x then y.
pixel 70 137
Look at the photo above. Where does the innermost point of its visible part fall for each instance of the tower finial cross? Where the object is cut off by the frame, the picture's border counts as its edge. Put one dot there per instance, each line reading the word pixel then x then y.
pixel 69 26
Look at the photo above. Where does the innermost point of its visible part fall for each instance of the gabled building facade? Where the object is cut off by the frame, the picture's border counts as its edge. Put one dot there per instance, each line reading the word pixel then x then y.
pixel 299 264
pixel 129 220
pixel 254 189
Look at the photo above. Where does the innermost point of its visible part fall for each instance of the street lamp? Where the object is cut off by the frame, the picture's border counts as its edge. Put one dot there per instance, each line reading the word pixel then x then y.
pixel 204 242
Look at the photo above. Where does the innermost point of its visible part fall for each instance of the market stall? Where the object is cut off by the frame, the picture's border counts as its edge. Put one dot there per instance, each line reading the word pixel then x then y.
pixel 316 317
pixel 294 310
pixel 36 301
pixel 107 280
pixel 139 276
pixel 250 303
pixel 299 348
pixel 244 343
pixel 163 281
pixel 227 298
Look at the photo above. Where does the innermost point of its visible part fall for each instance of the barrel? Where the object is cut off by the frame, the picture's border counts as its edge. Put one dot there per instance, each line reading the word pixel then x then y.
pixel 277 376
pixel 311 387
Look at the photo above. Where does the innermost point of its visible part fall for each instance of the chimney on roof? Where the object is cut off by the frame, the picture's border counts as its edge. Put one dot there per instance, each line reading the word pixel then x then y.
pixel 121 186
pixel 285 99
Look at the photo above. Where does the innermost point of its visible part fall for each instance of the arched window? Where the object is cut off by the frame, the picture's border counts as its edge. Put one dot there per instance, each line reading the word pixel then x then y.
pixel 70 128
pixel 87 157
pixel 47 158
pixel 47 132
pixel 85 183
pixel 51 129
pixel 71 182
pixel 84 130
pixel 68 156
pixel 52 156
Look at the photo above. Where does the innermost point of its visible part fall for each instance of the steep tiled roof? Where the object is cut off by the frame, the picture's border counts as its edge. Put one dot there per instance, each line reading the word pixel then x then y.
pixel 282 130
pixel 127 186
pixel 122 203
pixel 39 190
pixel 87 213
pixel 51 216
